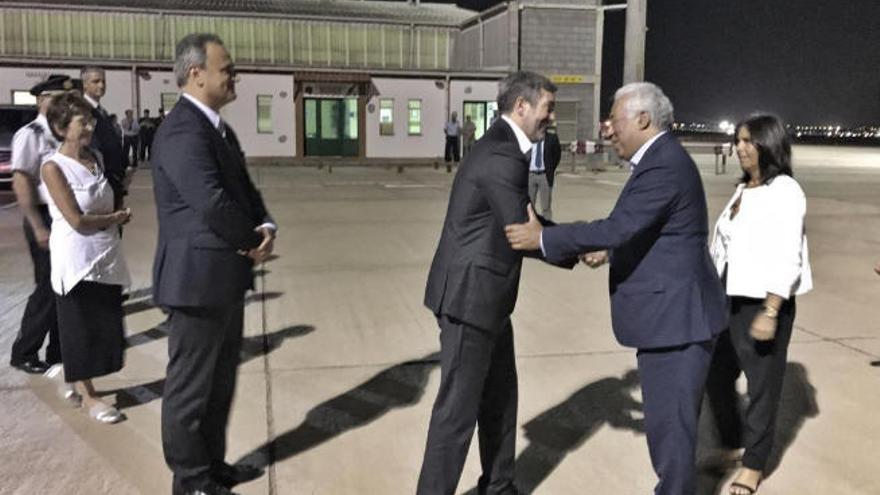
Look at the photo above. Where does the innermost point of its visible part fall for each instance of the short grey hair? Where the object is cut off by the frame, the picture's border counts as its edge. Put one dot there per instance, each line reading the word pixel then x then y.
pixel 525 84
pixel 191 52
pixel 649 98
pixel 90 69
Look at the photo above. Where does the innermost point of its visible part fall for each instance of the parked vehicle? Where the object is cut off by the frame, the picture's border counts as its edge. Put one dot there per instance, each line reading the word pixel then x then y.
pixel 12 118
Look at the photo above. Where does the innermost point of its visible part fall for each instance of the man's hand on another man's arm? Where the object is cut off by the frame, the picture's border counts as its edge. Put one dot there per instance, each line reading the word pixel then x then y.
pixel 525 236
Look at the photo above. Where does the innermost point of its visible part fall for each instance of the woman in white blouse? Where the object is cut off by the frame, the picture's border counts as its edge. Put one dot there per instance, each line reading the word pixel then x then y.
pixel 88 269
pixel 760 251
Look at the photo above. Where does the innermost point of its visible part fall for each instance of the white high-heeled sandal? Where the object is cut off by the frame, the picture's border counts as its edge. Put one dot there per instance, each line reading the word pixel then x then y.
pixel 106 414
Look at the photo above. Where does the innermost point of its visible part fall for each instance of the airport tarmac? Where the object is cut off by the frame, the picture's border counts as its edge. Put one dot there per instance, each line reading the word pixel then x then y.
pixel 338 372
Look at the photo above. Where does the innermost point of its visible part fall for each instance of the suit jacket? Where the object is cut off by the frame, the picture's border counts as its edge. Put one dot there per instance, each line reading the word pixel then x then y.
pixel 208 209
pixel 664 289
pixel 107 139
pixel 552 155
pixel 474 276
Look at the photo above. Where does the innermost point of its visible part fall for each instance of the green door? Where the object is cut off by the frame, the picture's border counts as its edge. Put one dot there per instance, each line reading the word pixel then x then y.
pixel 331 127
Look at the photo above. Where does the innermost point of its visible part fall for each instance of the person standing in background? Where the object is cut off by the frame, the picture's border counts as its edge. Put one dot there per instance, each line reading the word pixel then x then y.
pixel 452 129
pixel 145 136
pixel 542 171
pixel 130 142
pixel 32 145
pixel 468 135
pixel 106 138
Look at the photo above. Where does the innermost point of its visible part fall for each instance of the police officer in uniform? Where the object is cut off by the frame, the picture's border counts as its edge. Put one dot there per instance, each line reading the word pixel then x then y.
pixel 31 146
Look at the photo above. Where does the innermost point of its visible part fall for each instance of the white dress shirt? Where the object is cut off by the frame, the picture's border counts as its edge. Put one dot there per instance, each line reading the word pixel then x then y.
pixel 640 153
pixel 525 144
pixel 31 148
pixel 94 103
pixel 451 129
pixel 764 247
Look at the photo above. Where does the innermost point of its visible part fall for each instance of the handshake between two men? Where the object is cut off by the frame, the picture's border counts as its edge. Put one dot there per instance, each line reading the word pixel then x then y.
pixel 527 237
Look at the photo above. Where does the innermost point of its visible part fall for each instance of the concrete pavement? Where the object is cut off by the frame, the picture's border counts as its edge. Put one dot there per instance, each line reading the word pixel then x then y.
pixel 339 369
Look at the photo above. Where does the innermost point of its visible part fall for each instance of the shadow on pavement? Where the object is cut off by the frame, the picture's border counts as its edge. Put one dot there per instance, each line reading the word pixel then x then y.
pixel 401 385
pixel 251 348
pixel 565 427
pixel 144 302
pixel 798 403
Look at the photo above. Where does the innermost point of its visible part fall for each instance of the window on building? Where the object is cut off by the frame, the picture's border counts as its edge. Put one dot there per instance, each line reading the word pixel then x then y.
pixel 264 114
pixel 414 117
pixel 386 117
pixel 23 97
pixel 169 100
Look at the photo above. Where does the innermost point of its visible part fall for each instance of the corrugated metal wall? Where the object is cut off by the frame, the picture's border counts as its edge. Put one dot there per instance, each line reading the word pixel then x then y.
pixel 130 37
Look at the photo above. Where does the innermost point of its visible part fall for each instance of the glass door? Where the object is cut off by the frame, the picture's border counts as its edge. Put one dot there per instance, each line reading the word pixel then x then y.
pixel 481 113
pixel 331 126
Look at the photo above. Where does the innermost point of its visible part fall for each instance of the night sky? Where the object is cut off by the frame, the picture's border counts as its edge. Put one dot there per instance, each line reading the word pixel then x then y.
pixel 809 61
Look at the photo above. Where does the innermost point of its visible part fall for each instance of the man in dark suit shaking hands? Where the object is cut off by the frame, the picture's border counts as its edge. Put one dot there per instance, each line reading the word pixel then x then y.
pixel 213 227
pixel 666 299
pixel 472 288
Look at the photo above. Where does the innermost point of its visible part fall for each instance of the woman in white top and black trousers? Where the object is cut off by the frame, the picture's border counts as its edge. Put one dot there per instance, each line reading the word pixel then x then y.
pixel 760 251
pixel 88 269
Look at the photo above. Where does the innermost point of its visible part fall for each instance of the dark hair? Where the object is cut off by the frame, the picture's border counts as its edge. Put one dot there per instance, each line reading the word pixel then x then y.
pixel 525 84
pixel 772 142
pixel 63 108
pixel 192 51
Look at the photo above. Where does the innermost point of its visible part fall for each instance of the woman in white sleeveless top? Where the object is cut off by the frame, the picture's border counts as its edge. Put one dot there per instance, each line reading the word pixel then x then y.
pixel 88 269
pixel 760 250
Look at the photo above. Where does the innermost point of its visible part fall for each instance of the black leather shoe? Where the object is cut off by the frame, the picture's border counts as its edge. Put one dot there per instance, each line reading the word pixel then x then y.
pixel 32 366
pixel 229 475
pixel 211 488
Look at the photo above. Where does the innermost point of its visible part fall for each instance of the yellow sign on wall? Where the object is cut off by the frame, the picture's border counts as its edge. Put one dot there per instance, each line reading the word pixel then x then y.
pixel 567 79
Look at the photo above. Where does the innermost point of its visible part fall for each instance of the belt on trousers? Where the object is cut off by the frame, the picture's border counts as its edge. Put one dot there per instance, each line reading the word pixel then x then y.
pixel 537 172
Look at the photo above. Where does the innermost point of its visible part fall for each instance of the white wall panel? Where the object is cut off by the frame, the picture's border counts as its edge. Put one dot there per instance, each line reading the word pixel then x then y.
pixel 432 140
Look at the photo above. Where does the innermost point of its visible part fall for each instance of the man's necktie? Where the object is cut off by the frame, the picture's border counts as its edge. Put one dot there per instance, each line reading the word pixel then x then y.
pixel 539 156
pixel 221 128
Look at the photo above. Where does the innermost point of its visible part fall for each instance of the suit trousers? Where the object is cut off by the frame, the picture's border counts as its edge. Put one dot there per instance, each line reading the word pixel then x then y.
pixel 539 187
pixel 764 366
pixel 478 387
pixel 452 153
pixel 204 346
pixel 40 317
pixel 130 151
pixel 672 381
